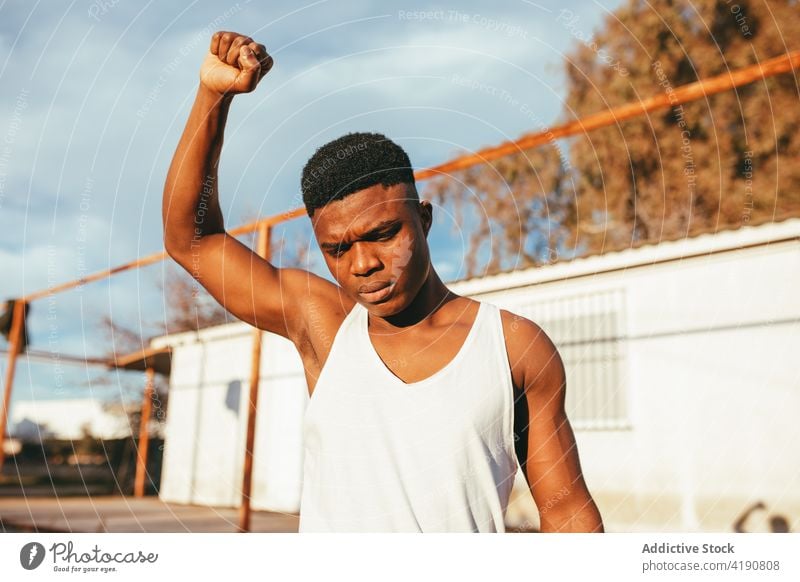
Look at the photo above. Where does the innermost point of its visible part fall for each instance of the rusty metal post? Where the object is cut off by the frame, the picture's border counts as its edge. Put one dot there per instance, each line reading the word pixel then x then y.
pixel 144 435
pixel 17 320
pixel 262 249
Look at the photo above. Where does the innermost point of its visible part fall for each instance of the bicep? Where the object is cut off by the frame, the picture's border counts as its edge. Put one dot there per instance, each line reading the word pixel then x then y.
pixel 250 287
pixel 552 465
pixel 553 468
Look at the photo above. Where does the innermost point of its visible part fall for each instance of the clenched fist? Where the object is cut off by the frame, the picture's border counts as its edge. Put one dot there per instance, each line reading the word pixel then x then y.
pixel 234 64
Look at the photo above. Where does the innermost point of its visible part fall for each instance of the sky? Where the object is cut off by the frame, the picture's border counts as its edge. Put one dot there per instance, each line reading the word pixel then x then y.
pixel 95 94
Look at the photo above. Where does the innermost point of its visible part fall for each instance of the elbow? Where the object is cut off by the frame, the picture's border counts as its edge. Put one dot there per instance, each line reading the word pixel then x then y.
pixel 175 250
pixel 170 247
pixel 178 238
pixel 176 228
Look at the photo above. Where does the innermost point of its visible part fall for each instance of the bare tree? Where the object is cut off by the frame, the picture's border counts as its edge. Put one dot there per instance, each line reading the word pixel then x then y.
pixel 711 164
pixel 522 205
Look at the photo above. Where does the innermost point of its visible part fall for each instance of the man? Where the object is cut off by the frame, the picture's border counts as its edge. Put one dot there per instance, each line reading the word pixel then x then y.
pixel 410 426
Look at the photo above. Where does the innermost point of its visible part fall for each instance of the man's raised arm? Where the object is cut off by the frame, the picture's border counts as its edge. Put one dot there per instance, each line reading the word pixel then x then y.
pixel 194 234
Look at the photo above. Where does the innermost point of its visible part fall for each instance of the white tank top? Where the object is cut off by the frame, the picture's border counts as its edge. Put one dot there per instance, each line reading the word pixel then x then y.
pixel 437 455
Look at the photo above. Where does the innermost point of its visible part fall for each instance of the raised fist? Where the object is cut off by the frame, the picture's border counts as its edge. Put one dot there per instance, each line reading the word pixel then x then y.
pixel 234 64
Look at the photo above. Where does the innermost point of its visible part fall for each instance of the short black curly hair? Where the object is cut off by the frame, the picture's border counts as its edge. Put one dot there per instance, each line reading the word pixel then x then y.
pixel 352 163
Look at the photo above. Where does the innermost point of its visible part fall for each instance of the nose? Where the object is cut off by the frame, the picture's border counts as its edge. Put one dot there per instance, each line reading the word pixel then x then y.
pixel 365 261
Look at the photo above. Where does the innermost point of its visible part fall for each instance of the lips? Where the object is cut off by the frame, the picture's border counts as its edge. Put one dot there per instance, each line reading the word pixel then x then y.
pixel 376 291
pixel 374 286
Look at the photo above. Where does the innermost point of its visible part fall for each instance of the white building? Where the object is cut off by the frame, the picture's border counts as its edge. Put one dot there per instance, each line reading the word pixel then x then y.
pixel 682 385
pixel 34 420
pixel 207 419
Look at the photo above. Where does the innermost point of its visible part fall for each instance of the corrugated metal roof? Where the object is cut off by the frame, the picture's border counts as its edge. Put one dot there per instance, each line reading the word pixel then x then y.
pixel 645 254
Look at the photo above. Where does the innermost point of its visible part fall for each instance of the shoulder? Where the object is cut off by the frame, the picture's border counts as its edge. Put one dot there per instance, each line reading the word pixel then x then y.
pixel 323 308
pixel 535 362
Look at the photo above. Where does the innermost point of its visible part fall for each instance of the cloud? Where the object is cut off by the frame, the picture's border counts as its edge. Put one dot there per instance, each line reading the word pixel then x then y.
pixel 106 98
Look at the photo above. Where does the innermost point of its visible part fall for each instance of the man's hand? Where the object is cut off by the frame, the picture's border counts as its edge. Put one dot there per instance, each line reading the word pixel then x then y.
pixel 234 64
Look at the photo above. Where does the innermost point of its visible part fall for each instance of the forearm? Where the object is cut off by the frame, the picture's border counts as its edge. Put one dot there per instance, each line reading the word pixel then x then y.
pixel 190 206
pixel 584 519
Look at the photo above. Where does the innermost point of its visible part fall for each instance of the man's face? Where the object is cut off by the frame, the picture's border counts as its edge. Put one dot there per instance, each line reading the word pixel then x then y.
pixel 374 243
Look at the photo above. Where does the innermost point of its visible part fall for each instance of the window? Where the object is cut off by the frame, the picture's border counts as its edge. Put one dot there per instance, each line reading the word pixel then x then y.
pixel 588 331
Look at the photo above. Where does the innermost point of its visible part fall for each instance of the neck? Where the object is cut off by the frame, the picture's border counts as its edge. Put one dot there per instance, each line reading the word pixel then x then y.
pixel 432 296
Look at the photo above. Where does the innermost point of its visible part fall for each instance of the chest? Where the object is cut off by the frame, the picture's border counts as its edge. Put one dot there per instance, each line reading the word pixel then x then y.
pixel 413 357
pixel 362 408
pixel 398 389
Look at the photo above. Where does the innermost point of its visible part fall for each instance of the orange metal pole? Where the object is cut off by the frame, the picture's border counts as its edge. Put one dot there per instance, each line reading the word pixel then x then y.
pixel 17 319
pixel 703 88
pixel 682 94
pixel 268 221
pixel 35 355
pixel 144 435
pixel 140 262
pixel 262 249
pixel 160 256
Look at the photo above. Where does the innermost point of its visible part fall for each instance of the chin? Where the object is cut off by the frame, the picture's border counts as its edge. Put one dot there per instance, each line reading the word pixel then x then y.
pixel 392 306
pixel 382 309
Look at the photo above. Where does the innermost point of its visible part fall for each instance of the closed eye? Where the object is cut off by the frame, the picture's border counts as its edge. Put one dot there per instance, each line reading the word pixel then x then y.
pixel 338 251
pixel 389 234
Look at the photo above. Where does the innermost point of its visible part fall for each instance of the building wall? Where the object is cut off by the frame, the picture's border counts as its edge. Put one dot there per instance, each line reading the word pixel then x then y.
pixel 681 386
pixel 708 378
pixel 34 420
pixel 207 420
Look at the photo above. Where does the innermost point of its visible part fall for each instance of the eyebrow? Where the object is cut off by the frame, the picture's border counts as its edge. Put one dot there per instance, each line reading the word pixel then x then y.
pixel 370 234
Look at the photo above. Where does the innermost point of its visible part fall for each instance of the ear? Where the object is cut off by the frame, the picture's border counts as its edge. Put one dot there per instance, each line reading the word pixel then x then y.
pixel 425 209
